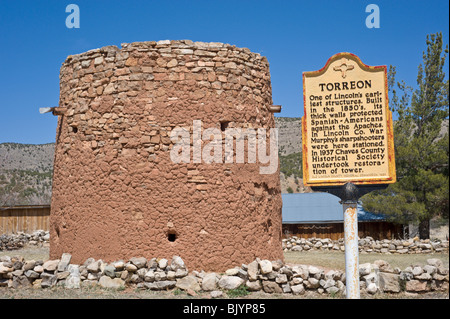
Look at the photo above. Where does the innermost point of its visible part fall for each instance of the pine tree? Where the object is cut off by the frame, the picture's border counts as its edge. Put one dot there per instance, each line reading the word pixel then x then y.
pixel 421 145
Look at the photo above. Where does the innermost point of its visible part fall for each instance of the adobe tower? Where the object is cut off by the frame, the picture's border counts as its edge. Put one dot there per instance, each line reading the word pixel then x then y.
pixel 118 194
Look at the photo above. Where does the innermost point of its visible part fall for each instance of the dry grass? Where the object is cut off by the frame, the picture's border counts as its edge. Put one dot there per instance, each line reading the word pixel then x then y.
pixel 28 252
pixel 336 260
pixel 131 293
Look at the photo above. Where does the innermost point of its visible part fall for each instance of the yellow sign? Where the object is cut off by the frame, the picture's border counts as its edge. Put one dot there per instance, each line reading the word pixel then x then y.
pixel 347 132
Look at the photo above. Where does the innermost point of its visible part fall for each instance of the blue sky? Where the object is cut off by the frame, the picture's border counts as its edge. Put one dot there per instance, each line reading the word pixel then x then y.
pixel 295 36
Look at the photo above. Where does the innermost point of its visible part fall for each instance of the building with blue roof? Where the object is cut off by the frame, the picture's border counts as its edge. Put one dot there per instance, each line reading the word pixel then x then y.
pixel 321 215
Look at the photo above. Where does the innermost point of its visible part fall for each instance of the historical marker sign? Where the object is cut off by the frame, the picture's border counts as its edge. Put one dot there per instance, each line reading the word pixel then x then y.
pixel 347 129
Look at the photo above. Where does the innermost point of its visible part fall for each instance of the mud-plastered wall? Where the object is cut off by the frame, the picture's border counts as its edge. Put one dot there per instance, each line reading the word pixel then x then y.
pixel 117 192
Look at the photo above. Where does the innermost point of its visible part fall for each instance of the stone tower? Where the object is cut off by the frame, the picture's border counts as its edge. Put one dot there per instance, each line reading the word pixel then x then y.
pixel 116 191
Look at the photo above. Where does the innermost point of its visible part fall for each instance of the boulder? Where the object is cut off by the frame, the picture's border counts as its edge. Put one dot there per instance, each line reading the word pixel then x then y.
pixel 29 265
pixel 301 271
pixel 171 275
pixel 435 262
pixel 118 265
pixel 271 287
pixel 252 270
pixel 429 269
pixel 177 263
pixel 312 283
pixel 139 262
pixel 51 265
pixel 19 282
pixel 74 280
pixel 149 276
pixel 389 282
pixel 277 264
pixel 314 271
pixel 31 274
pixel 38 269
pixel 64 262
pixel 108 282
pixel 365 269
pixel 110 271
pixel 232 272
pixel 371 278
pixel 209 282
pixel 162 263
pixel 130 267
pixel 383 266
pixel 188 283
pixel 48 280
pixel 298 289
pixel 281 279
pixel 265 266
pixel 4 269
pixel 417 271
pixel 253 285
pixel 62 275
pixel 230 282
pixel 93 267
pixel 160 275
pixel 372 288
pixel 327 283
pixel 418 286
pixel 286 288
pixel 161 285
pixel 181 273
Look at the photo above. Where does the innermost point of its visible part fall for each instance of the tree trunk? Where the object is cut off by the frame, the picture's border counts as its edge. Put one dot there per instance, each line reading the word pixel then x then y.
pixel 424 229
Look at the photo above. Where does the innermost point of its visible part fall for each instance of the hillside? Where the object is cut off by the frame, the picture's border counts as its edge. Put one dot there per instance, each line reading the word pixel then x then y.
pixel 25 173
pixel 290 154
pixel 289 135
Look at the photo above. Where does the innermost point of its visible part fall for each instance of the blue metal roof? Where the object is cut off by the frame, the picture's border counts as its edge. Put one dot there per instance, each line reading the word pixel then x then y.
pixel 318 208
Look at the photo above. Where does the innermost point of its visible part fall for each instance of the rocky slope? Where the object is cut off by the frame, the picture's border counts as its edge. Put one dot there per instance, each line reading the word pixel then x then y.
pixel 25 173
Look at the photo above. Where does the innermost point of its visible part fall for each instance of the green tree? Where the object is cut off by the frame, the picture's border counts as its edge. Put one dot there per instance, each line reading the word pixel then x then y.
pixel 291 164
pixel 421 145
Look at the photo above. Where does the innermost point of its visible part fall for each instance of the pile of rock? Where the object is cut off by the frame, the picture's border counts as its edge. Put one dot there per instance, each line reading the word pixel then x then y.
pixel 153 274
pixel 380 276
pixel 368 245
pixel 259 275
pixel 19 240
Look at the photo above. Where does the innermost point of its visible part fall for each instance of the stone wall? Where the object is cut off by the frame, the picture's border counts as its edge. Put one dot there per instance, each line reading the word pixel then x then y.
pixel 259 275
pixel 368 245
pixel 21 239
pixel 116 191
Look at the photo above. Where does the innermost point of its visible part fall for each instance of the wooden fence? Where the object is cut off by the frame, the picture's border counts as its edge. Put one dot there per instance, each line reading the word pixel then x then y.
pixel 24 218
pixel 335 231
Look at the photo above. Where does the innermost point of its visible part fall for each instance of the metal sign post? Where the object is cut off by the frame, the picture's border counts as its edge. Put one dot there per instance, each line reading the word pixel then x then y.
pixel 349 199
pixel 351 249
pixel 349 195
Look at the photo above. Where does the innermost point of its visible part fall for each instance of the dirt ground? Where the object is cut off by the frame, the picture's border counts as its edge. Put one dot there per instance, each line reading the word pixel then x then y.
pixel 132 293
